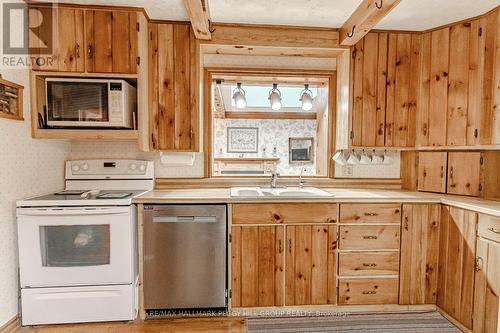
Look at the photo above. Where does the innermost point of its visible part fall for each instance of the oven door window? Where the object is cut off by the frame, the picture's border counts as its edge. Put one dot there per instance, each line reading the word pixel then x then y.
pixel 77 101
pixel 75 245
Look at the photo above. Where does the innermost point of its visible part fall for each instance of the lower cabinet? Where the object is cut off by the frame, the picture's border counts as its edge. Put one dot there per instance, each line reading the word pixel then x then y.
pixel 457 253
pixel 257 266
pixel 311 265
pixel 487 280
pixel 419 254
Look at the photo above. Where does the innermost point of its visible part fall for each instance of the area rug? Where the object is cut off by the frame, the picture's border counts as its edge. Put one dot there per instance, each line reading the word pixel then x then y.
pixel 427 322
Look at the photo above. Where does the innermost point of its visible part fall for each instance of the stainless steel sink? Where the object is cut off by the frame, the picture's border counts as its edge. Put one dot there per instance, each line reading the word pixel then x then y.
pixel 293 192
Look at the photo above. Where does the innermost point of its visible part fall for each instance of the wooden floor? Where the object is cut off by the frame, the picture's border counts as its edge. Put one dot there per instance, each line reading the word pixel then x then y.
pixel 184 325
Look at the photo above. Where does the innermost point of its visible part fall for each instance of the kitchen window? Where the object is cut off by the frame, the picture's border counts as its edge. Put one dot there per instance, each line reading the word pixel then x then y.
pixel 263 123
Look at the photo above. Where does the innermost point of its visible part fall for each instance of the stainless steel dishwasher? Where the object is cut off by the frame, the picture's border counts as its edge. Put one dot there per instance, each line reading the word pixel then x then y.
pixel 185 257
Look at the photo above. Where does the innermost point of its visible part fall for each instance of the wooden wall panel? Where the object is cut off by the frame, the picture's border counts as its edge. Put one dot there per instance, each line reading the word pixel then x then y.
pixel 357 110
pixel 438 96
pixel 458 85
pixel 419 254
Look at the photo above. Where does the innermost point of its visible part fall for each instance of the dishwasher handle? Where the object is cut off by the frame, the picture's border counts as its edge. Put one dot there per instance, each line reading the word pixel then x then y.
pixel 183 219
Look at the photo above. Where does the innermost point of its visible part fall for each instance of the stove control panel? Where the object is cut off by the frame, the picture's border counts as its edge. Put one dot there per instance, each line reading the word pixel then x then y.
pixel 109 169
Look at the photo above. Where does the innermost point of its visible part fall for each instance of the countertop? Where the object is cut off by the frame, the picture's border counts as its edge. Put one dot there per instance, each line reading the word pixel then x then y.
pixel 222 195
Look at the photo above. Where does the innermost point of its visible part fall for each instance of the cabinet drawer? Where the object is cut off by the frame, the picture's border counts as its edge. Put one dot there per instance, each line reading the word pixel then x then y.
pixel 369 237
pixel 369 263
pixel 489 227
pixel 368 291
pixel 284 213
pixel 370 213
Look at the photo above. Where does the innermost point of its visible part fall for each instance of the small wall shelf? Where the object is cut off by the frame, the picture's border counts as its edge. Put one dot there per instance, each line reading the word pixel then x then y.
pixel 11 100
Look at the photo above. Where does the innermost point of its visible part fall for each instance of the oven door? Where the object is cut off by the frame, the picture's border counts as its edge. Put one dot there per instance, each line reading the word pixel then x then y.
pixel 82 103
pixel 76 246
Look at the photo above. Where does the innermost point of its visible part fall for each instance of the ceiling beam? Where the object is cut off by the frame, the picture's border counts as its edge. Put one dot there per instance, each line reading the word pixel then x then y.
pixel 364 18
pixel 198 15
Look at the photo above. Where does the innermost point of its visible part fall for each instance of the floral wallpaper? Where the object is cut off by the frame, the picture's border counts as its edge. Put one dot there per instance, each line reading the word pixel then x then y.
pixel 272 141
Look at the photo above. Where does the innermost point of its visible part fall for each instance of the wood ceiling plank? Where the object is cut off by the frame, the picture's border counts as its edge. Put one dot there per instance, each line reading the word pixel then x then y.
pixel 364 18
pixel 198 15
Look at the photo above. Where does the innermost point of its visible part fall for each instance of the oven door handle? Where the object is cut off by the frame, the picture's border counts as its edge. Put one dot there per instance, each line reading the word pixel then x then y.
pixel 72 212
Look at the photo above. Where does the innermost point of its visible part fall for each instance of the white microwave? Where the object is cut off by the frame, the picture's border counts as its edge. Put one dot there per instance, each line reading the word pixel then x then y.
pixel 73 102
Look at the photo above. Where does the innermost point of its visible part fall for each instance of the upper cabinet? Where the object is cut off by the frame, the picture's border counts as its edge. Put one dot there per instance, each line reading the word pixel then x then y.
pixel 86 40
pixel 460 85
pixel 67 38
pixel 111 41
pixel 436 89
pixel 172 97
pixel 385 91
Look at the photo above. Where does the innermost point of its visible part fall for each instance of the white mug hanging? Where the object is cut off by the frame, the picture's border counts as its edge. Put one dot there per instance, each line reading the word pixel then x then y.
pixel 353 158
pixel 339 157
pixel 388 159
pixel 365 158
pixel 377 159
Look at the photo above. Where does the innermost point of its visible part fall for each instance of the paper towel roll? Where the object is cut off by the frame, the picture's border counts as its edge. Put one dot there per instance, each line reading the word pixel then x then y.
pixel 177 159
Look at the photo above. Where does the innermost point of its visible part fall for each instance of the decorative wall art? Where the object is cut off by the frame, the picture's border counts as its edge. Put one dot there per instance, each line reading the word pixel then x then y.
pixel 242 139
pixel 301 150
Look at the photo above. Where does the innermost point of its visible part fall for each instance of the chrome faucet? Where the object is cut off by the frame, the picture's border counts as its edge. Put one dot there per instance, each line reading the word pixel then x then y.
pixel 301 182
pixel 274 180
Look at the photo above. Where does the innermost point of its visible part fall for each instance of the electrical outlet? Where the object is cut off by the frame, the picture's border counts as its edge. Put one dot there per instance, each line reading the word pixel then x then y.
pixel 347 170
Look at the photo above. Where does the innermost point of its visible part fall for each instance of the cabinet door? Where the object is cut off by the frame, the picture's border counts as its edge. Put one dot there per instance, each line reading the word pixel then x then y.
pixel 419 254
pixel 457 240
pixel 111 41
pixel 463 173
pixel 172 88
pixel 370 72
pixel 403 58
pixel 310 265
pixel 487 287
pixel 67 39
pixel 257 266
pixel 432 171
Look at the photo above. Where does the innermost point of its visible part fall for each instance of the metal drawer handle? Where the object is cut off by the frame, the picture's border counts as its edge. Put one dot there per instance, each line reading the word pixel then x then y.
pixel 279 246
pixel 371 214
pixel 369 265
pixel 496 231
pixel 371 292
pixel 370 237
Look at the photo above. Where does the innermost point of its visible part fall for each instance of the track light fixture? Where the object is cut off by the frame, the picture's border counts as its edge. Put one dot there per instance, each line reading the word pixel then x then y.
pixel 306 98
pixel 275 97
pixel 239 96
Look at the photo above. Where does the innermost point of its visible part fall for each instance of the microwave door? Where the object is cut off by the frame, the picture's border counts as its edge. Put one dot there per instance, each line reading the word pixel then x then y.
pixel 77 104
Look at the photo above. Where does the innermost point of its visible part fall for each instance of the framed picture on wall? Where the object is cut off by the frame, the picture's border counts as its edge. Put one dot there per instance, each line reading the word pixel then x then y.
pixel 301 150
pixel 242 139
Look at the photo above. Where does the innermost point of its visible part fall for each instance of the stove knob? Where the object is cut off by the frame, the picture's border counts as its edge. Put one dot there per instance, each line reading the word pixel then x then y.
pixel 132 166
pixel 75 167
pixel 142 167
pixel 85 167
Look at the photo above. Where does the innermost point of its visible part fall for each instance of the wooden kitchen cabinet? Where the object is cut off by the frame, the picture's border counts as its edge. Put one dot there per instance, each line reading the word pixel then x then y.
pixel 464 173
pixel 384 90
pixel 456 264
pixel 257 269
pixel 419 254
pixel 460 84
pixel 487 279
pixel 66 35
pixel 310 270
pixel 172 86
pixel 432 171
pixel 111 41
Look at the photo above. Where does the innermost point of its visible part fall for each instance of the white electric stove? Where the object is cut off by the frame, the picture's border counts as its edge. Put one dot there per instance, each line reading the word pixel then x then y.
pixel 78 247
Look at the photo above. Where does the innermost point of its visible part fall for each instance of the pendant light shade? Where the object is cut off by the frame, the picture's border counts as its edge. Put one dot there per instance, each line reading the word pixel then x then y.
pixel 239 96
pixel 275 97
pixel 306 98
